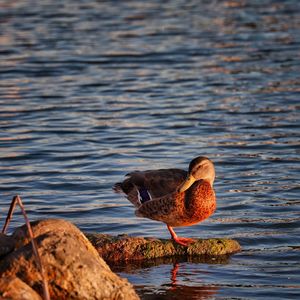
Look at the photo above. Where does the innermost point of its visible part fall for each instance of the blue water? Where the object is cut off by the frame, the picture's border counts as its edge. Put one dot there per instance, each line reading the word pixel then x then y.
pixel 91 90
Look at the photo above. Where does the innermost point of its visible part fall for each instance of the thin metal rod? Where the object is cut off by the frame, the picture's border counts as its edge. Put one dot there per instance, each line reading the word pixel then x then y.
pixel 9 214
pixel 18 200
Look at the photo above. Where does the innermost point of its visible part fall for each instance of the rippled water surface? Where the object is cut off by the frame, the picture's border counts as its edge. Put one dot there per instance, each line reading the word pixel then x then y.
pixel 90 90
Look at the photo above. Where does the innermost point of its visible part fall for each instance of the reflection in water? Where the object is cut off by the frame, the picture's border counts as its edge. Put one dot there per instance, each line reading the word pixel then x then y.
pixel 181 292
pixel 132 266
pixel 177 289
pixel 170 277
pixel 174 273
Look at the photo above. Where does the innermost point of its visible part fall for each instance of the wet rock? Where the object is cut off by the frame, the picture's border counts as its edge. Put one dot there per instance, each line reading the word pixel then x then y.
pixel 14 288
pixel 125 248
pixel 74 269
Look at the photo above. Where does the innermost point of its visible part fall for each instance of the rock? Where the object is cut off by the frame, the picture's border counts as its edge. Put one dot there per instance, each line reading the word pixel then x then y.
pixel 14 288
pixel 7 244
pixel 124 247
pixel 73 268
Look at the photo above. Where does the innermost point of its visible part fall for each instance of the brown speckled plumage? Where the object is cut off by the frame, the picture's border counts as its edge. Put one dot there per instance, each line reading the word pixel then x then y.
pixel 178 198
pixel 157 182
pixel 181 209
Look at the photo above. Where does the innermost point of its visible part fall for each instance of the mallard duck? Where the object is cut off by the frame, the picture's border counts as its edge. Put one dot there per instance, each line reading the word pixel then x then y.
pixel 173 196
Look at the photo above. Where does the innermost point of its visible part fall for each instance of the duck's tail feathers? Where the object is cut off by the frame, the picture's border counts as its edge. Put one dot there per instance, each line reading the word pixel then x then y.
pixel 118 188
pixel 130 191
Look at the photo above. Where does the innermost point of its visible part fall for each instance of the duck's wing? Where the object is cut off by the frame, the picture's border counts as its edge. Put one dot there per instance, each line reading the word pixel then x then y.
pixel 165 209
pixel 155 183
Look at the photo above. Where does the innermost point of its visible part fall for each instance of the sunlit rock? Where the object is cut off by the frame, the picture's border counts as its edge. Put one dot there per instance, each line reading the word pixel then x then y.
pixel 14 288
pixel 125 248
pixel 73 268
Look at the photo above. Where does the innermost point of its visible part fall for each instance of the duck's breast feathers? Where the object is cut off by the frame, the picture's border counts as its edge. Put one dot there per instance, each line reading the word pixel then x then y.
pixel 157 182
pixel 181 209
pixel 200 200
pixel 199 193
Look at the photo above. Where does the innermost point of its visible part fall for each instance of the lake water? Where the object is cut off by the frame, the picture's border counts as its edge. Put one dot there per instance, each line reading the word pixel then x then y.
pixel 91 90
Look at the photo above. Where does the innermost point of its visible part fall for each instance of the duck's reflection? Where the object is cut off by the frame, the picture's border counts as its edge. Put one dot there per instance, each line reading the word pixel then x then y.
pixel 182 292
pixel 174 272
pixel 176 290
pixel 173 287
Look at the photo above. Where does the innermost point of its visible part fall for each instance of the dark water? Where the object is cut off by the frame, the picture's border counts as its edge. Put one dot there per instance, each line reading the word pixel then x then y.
pixel 90 90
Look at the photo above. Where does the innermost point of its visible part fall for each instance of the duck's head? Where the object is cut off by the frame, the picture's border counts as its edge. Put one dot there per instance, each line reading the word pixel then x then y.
pixel 200 168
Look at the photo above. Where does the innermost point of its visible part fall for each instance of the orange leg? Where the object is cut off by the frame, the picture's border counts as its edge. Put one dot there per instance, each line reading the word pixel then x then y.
pixel 179 240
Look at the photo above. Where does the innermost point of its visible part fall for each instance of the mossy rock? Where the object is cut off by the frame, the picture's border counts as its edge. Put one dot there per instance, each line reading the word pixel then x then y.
pixel 125 248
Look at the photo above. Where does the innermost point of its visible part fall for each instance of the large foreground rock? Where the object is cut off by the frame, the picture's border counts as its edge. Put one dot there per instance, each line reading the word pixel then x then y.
pixel 74 269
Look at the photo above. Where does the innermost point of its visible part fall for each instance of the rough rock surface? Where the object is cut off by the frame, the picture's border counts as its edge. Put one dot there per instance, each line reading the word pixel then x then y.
pixel 125 248
pixel 15 288
pixel 74 269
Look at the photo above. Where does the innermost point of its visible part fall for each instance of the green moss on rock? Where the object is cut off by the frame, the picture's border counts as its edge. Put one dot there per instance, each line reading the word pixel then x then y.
pixel 124 247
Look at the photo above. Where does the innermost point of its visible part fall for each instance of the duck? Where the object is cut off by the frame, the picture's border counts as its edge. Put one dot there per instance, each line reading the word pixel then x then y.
pixel 173 196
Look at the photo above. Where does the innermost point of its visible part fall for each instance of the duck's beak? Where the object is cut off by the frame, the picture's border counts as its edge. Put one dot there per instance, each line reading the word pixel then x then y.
pixel 187 183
